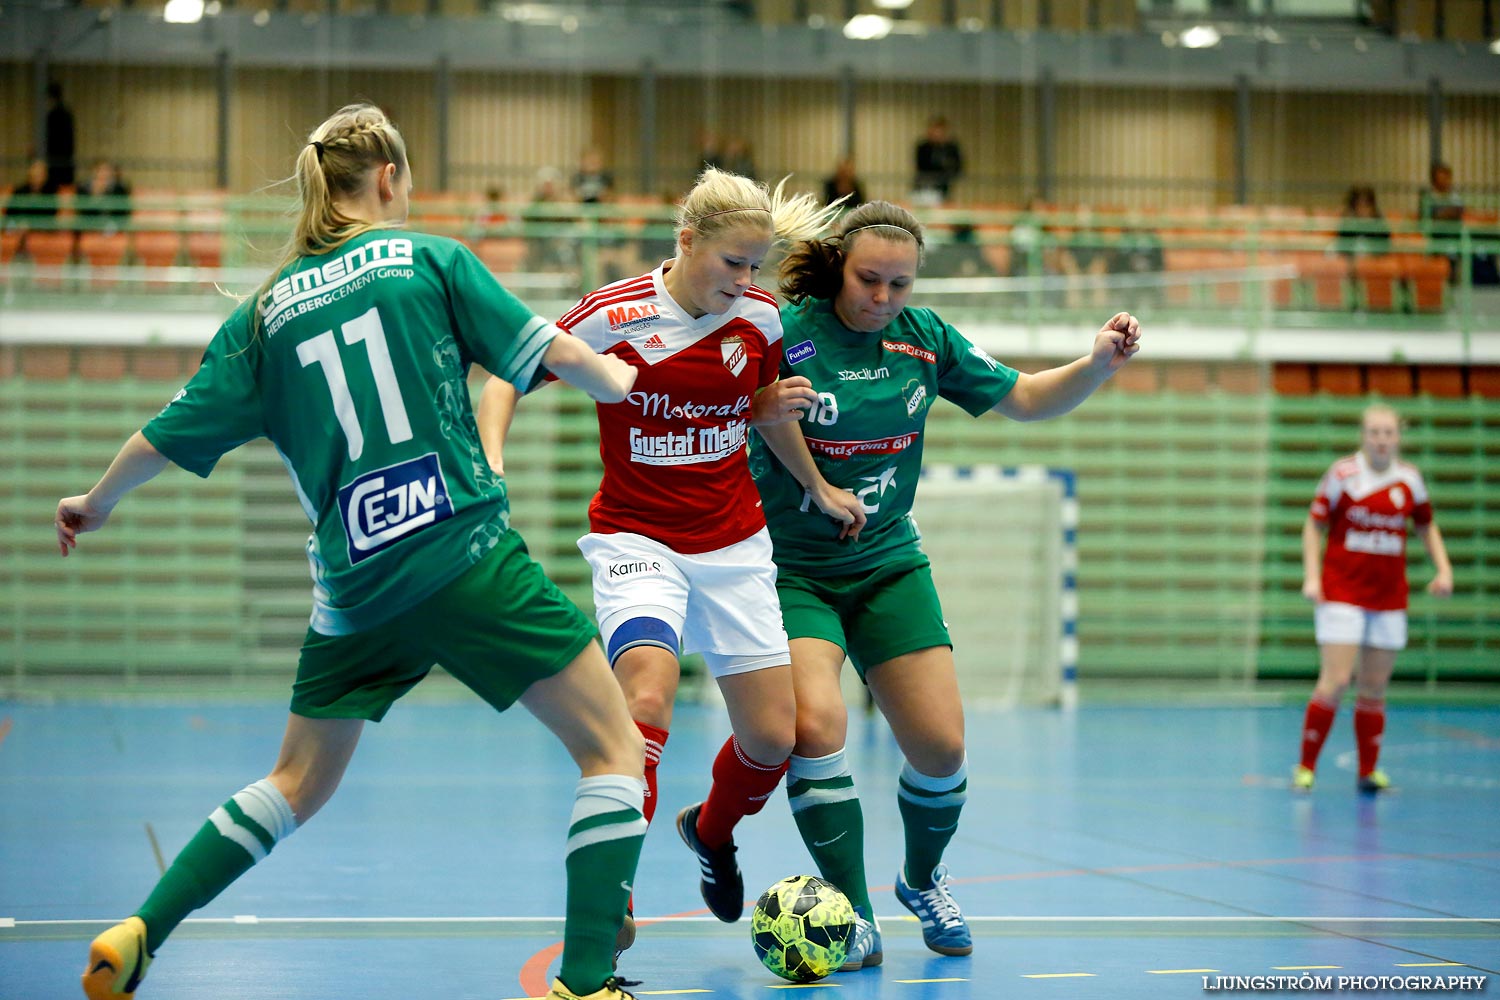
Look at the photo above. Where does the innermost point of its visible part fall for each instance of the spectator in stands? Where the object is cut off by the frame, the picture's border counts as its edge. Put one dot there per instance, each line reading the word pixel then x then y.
pixel 958 257
pixel 104 203
pixel 1138 252
pixel 1363 229
pixel 58 133
pixel 493 212
pixel 1439 202
pixel 737 158
pixel 1359 590
pixel 844 182
pixel 708 151
pixel 547 250
pixel 1084 257
pixel 939 163
pixel 33 201
pixel 593 183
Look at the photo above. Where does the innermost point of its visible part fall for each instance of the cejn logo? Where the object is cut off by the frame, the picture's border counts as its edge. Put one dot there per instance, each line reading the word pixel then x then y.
pixel 382 507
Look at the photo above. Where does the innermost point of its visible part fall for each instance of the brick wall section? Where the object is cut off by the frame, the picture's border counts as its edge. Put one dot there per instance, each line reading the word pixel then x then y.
pixel 1442 381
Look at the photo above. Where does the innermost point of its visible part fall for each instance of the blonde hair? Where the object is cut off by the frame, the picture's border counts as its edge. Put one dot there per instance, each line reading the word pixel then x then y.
pixel 721 200
pixel 1379 410
pixel 336 162
pixel 815 267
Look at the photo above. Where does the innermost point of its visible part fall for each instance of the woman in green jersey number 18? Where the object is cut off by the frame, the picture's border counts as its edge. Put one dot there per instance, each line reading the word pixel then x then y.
pixel 876 367
pixel 352 360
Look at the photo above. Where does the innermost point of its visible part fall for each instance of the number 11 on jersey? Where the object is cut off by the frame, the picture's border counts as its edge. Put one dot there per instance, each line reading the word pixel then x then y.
pixel 323 350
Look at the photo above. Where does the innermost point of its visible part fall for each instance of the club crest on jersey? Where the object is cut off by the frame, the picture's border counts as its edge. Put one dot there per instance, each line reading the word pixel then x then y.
pixel 915 394
pixel 732 349
pixel 382 507
pixel 1398 497
pixel 800 352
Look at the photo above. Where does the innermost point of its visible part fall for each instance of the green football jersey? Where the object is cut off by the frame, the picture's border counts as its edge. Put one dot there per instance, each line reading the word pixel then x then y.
pixel 357 375
pixel 865 432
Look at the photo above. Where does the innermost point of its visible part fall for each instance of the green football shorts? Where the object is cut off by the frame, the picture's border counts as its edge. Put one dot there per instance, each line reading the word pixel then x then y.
pixel 874 616
pixel 497 628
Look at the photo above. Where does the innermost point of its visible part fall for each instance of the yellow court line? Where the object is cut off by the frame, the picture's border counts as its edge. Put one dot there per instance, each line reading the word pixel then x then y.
pixel 1298 968
pixel 666 993
pixel 1176 972
pixel 1430 965
pixel 953 980
pixel 1057 975
pixel 802 986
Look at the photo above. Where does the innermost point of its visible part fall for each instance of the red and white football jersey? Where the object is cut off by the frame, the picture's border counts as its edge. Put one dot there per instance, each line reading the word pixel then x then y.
pixel 675 464
pixel 1366 513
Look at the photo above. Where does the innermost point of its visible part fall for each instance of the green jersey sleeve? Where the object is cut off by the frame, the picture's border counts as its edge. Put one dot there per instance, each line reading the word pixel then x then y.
pixel 967 375
pixel 220 407
pixel 493 326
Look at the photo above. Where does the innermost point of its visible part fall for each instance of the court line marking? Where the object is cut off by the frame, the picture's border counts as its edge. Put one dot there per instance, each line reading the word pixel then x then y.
pixel 1430 965
pixel 803 986
pixel 1059 975
pixel 949 980
pixel 646 921
pixel 1301 968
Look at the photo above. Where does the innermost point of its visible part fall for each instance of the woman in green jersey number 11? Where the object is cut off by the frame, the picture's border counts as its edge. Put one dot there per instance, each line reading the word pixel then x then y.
pixel 875 368
pixel 352 359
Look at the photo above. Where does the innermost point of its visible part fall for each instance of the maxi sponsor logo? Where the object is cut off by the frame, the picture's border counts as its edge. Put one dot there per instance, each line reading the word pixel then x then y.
pixel 382 507
pixel 633 317
pixel 689 447
pixel 659 404
pixel 844 450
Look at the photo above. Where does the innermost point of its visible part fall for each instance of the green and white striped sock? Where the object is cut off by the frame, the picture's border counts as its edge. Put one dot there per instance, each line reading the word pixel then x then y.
pixel 604 844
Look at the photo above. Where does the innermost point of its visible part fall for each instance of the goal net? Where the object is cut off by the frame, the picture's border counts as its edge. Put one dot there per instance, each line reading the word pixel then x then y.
pixel 1001 541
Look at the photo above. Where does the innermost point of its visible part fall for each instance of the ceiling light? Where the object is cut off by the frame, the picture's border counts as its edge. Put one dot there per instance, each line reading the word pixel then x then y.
pixel 1200 36
pixel 1495 46
pixel 867 27
pixel 892 4
pixel 183 11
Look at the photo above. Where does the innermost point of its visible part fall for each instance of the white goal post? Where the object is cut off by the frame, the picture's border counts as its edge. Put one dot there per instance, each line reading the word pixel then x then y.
pixel 1002 540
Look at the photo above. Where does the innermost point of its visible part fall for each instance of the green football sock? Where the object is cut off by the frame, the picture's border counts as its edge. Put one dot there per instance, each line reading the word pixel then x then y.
pixel 826 808
pixel 238 834
pixel 604 844
pixel 929 810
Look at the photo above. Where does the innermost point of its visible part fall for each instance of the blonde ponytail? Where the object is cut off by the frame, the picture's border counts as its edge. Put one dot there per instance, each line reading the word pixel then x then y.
pixel 720 200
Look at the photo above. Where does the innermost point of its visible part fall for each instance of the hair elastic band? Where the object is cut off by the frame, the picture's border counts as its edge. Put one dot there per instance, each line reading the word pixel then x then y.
pixel 315 144
pixel 878 225
pixel 726 211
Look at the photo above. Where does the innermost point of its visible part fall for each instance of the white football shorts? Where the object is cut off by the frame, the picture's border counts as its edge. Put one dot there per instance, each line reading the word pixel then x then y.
pixel 722 604
pixel 1350 625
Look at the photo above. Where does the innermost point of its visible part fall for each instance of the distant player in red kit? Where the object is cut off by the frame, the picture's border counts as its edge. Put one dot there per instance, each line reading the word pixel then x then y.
pixel 1359 588
pixel 677 537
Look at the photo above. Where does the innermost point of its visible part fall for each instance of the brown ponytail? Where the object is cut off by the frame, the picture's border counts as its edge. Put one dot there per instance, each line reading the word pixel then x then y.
pixel 814 269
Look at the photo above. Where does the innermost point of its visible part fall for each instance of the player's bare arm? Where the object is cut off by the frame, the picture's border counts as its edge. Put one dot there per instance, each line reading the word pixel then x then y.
pixel 497 408
pixel 138 462
pixel 788 444
pixel 1056 391
pixel 784 400
pixel 1441 584
pixel 604 377
pixel 1313 533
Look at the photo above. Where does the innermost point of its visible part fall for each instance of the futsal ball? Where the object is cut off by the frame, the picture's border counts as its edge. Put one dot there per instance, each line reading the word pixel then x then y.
pixel 802 928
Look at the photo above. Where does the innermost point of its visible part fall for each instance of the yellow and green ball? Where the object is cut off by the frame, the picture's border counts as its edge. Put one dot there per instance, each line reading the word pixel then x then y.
pixel 802 928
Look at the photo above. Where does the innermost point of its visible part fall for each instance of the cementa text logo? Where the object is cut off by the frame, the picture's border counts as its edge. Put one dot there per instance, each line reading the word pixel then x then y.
pixel 381 508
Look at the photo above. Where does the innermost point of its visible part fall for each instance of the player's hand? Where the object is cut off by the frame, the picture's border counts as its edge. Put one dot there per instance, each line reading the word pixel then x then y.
pixel 621 373
pixel 1313 590
pixel 842 506
pixel 1117 342
pixel 782 401
pixel 76 515
pixel 1441 585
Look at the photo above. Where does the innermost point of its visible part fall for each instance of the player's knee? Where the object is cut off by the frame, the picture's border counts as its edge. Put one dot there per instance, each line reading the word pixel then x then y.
pixel 769 741
pixel 821 728
pixel 939 758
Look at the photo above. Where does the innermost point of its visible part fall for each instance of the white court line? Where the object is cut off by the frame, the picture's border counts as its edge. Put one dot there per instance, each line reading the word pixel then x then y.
pixel 7 922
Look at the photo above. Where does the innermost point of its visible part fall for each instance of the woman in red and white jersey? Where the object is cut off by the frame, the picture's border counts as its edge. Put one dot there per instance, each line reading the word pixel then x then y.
pixel 1359 586
pixel 678 544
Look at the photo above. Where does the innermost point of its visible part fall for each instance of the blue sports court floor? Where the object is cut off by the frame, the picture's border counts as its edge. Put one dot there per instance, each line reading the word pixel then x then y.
pixel 1119 852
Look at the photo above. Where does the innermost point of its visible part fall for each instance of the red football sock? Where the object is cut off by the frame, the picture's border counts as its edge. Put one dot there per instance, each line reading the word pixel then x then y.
pixel 1369 723
pixel 1315 726
pixel 656 739
pixel 741 787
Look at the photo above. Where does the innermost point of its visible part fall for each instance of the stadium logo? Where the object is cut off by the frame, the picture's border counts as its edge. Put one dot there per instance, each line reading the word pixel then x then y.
pixel 634 318
pixel 733 350
pixel 864 374
pixel 800 352
pixel 382 507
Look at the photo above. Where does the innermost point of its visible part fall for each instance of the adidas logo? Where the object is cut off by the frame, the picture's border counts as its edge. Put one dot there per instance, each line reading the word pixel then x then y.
pixel 654 342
